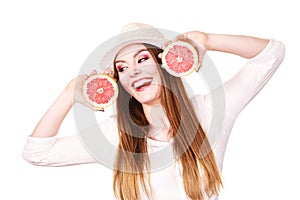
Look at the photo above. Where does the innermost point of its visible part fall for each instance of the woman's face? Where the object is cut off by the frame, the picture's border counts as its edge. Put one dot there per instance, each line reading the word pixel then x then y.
pixel 138 73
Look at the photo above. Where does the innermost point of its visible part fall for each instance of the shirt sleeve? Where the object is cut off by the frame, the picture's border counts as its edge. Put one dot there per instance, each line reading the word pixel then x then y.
pixel 234 95
pixel 244 86
pixel 53 151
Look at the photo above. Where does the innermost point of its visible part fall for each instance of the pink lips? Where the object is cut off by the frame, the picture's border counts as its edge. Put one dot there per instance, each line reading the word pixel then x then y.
pixel 141 84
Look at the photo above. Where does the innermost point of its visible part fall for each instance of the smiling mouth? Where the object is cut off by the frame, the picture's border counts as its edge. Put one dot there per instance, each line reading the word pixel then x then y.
pixel 142 84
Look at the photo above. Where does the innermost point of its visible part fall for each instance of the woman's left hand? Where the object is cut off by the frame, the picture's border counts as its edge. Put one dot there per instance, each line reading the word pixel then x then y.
pixel 199 40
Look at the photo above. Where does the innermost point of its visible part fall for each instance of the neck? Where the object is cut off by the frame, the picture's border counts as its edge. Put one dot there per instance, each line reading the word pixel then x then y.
pixel 159 124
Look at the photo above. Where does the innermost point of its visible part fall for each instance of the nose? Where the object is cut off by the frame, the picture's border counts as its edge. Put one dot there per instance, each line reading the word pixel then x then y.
pixel 135 71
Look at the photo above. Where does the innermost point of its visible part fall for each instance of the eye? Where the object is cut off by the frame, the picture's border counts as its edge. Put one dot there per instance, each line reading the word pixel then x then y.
pixel 121 68
pixel 143 58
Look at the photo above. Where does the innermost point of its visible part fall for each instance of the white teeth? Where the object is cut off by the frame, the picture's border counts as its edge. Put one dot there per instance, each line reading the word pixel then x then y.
pixel 141 82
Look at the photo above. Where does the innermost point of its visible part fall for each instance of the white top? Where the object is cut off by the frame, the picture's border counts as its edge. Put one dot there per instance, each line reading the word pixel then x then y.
pixel 167 182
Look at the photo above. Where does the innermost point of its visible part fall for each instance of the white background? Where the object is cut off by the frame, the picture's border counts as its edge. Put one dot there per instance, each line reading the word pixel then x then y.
pixel 43 45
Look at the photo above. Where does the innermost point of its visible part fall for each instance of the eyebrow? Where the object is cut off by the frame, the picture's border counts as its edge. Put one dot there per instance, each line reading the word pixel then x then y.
pixel 134 56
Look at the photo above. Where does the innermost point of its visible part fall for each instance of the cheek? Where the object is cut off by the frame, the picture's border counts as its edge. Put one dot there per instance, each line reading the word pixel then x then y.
pixel 152 69
pixel 124 82
pixel 156 74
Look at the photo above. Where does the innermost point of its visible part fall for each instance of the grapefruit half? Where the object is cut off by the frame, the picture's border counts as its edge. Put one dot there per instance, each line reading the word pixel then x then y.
pixel 100 90
pixel 179 58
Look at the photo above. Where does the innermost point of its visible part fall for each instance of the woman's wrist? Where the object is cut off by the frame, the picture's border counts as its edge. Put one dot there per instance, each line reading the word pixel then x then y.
pixel 69 92
pixel 209 41
pixel 67 97
pixel 213 42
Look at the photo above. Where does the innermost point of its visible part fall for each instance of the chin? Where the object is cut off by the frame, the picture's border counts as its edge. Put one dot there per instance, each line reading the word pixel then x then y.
pixel 148 99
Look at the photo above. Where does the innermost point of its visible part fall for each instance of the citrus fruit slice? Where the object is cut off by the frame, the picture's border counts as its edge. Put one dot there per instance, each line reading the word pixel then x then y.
pixel 100 90
pixel 179 58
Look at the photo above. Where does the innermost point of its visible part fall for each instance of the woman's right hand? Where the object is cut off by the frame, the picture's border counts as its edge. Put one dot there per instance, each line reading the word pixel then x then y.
pixel 49 124
pixel 75 88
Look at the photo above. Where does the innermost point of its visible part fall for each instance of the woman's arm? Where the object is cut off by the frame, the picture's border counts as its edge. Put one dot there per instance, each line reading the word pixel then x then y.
pixel 240 45
pixel 263 58
pixel 43 147
pixel 49 124
pixel 244 46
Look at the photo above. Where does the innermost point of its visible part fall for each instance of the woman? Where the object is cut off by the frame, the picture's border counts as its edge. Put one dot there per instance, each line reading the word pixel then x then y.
pixel 154 112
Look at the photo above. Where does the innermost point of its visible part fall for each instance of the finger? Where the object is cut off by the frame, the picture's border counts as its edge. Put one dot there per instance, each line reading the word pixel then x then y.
pixel 182 37
pixel 160 55
pixel 99 109
pixel 84 76
pixel 166 44
pixel 109 73
pixel 198 67
pixel 199 63
pixel 189 39
pixel 105 72
pixel 81 78
pixel 94 72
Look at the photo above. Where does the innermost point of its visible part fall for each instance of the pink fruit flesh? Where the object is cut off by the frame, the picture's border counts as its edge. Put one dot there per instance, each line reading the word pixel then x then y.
pixel 100 90
pixel 180 59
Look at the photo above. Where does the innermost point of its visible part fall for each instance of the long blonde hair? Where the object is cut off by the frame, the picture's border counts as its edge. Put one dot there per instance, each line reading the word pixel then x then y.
pixel 132 165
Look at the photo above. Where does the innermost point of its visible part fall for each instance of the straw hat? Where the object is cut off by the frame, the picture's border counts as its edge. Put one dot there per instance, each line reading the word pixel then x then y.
pixel 136 33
